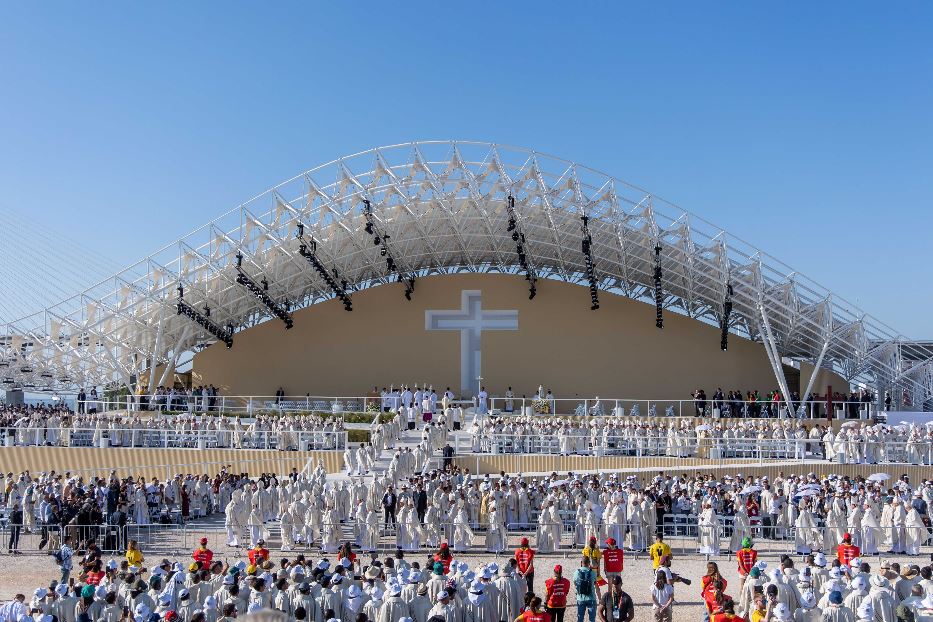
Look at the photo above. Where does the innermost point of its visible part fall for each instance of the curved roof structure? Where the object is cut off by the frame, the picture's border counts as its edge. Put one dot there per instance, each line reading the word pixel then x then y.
pixel 442 207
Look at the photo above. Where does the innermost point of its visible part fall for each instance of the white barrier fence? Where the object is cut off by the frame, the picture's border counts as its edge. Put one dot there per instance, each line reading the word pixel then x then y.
pixel 289 440
pixel 596 406
pixel 710 449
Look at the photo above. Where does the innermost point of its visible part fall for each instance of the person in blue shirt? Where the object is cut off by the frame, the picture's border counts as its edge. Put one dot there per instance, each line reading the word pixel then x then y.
pixel 584 582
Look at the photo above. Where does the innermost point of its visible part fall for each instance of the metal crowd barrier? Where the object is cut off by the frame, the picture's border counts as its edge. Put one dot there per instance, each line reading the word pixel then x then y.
pixel 810 409
pixel 713 449
pixel 289 440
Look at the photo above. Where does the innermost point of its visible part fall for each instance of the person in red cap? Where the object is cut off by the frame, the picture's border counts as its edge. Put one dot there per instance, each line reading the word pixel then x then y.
pixel 847 551
pixel 258 554
pixel 524 558
pixel 203 554
pixel 593 552
pixel 556 590
pixel 444 556
pixel 613 560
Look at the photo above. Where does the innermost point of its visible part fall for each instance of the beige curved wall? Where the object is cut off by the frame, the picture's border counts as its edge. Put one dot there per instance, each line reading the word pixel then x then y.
pixel 614 352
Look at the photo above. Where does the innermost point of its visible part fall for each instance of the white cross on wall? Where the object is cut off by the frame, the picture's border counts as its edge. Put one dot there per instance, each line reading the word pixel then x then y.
pixel 471 321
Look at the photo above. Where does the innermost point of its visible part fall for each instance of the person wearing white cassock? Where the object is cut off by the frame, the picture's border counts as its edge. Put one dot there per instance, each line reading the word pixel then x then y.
pixel 709 531
pixel 483 401
pixel 393 607
pixel 478 606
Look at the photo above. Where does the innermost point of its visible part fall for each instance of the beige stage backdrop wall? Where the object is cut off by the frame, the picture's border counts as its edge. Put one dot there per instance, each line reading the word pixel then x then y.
pixel 614 352
pixel 161 463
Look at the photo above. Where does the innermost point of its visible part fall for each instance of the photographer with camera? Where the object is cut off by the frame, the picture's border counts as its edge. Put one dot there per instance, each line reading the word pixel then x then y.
pixel 671 576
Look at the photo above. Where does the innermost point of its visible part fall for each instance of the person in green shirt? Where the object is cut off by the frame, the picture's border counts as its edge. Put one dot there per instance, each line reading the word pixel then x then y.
pixel 584 582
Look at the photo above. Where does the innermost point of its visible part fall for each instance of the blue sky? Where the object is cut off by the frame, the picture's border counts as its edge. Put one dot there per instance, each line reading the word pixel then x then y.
pixel 804 128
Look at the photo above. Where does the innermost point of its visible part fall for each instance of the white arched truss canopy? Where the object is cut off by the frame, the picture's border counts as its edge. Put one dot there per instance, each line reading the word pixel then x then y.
pixel 444 206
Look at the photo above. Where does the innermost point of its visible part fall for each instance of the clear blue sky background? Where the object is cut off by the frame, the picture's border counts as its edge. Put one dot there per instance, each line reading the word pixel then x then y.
pixel 805 128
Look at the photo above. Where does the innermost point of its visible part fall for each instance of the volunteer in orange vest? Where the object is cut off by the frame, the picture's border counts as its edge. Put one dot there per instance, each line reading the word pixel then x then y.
pixel 746 557
pixel 613 560
pixel 556 591
pixel 202 554
pixel 524 558
pixel 847 551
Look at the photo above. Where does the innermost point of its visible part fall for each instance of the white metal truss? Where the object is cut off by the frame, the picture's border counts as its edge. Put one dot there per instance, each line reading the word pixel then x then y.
pixel 444 205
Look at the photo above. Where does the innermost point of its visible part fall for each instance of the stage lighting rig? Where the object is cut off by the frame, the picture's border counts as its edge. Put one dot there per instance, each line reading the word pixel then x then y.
pixel 658 293
pixel 261 293
pixel 224 334
pixel 308 250
pixel 587 247
pixel 726 313
pixel 519 238
pixel 381 238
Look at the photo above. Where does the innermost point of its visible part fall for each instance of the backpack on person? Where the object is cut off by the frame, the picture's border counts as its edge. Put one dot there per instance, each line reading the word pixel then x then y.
pixel 585 583
pixel 59 557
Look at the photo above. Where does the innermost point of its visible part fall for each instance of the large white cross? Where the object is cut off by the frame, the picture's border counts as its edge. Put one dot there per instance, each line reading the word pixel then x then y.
pixel 471 321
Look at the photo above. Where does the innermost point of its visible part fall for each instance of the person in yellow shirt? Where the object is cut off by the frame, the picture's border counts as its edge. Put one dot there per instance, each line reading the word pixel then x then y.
pixel 658 550
pixel 592 552
pixel 133 555
pixel 760 610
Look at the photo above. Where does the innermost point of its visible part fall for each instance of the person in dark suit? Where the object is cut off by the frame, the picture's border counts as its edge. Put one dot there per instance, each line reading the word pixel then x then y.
pixel 389 501
pixel 448 456
pixel 421 502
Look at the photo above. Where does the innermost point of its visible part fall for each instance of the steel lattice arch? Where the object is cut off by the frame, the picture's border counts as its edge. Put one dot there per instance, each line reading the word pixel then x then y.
pixel 445 208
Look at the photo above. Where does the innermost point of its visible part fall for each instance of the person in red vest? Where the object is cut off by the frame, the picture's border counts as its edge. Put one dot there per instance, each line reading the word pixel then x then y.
pixel 613 560
pixel 202 554
pixel 444 557
pixel 524 558
pixel 746 557
pixel 715 598
pixel 847 551
pixel 556 590
pixel 534 613
pixel 258 554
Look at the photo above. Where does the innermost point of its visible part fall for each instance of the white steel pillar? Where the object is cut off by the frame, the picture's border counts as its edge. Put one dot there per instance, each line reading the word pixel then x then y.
pixel 816 370
pixel 773 355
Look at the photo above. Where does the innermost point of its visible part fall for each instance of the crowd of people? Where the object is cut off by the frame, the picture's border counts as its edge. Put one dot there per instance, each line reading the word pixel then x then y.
pixel 840 586
pixel 58 426
pixel 856 442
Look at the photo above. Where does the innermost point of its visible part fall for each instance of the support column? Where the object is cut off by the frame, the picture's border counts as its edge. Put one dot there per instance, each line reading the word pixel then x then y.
pixel 155 351
pixel 816 370
pixel 773 354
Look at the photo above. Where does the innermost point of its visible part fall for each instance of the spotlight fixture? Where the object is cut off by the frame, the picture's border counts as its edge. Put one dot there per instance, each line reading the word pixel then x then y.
pixel 519 238
pixel 726 313
pixel 586 246
pixel 381 238
pixel 308 250
pixel 658 293
pixel 261 292
pixel 222 334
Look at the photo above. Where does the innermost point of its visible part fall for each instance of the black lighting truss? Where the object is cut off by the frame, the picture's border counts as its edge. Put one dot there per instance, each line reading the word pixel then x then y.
pixel 262 293
pixel 588 259
pixel 658 292
pixel 381 238
pixel 308 250
pixel 726 313
pixel 518 236
pixel 203 320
